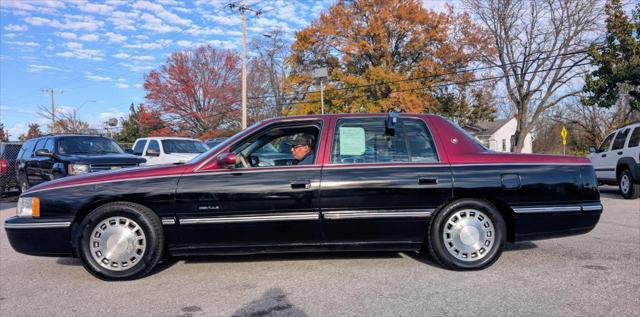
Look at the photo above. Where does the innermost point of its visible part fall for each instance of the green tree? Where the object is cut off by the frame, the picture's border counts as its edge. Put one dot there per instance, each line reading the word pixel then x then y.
pixel 617 60
pixel 142 122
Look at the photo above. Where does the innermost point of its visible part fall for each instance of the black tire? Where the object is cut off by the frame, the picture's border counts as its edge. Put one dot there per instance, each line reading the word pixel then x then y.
pixel 147 221
pixel 632 190
pixel 437 246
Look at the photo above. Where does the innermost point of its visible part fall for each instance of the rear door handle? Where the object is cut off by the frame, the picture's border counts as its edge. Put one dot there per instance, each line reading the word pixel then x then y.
pixel 301 184
pixel 427 180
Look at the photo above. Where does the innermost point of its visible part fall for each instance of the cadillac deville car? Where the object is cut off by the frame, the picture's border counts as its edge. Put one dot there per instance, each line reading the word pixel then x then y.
pixel 403 182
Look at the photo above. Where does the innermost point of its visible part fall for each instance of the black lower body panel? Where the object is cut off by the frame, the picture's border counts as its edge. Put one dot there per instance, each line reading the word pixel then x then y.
pixel 39 237
pixel 536 226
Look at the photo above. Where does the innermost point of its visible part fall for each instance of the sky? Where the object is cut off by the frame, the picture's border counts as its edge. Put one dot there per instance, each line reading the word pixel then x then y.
pixel 94 54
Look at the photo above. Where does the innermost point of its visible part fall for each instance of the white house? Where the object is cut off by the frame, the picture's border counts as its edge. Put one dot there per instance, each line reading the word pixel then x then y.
pixel 498 135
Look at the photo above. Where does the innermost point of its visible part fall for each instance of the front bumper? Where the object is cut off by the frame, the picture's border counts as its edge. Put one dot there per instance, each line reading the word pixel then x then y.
pixel 44 237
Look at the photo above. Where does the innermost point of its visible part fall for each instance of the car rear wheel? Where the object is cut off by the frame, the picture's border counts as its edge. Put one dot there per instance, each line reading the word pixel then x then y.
pixel 120 241
pixel 468 234
pixel 627 185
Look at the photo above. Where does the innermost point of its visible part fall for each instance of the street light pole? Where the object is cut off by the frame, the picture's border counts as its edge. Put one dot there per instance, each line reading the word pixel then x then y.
pixel 320 74
pixel 244 64
pixel 321 97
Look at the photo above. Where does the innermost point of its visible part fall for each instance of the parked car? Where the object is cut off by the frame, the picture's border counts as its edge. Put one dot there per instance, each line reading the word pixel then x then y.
pixel 213 142
pixel 168 150
pixel 8 154
pixel 617 160
pixel 51 157
pixel 375 182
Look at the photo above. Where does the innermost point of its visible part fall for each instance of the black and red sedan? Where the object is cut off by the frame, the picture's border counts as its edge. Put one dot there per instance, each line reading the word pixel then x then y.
pixel 314 183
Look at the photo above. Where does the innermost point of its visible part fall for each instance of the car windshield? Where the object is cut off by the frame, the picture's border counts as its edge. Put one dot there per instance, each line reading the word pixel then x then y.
pixel 87 145
pixel 183 146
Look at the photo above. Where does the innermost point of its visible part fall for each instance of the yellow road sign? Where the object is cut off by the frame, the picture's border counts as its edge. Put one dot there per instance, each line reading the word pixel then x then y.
pixel 563 134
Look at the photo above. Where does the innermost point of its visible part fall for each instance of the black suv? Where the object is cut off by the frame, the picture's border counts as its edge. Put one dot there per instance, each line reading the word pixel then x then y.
pixel 50 157
pixel 8 155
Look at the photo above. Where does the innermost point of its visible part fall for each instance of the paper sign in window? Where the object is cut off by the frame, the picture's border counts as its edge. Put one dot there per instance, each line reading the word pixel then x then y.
pixel 352 141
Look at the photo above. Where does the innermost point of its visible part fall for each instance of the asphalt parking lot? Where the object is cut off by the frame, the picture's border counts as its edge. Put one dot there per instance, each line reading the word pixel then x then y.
pixel 593 274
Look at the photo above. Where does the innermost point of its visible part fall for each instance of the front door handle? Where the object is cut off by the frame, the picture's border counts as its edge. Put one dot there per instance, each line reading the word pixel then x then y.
pixel 604 155
pixel 427 180
pixel 301 184
pixel 620 153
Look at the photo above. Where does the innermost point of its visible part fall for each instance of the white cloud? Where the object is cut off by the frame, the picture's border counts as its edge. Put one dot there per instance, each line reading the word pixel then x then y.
pixel 141 37
pixel 150 46
pixel 66 35
pixel 115 38
pixel 122 85
pixel 196 30
pixel 16 28
pixel 71 22
pixel 144 58
pixel 28 44
pixel 156 25
pixel 9 35
pixel 35 68
pixel 98 78
pixel 124 20
pixel 168 2
pixel 17 130
pixel 73 45
pixel 89 37
pixel 182 10
pixel 160 11
pixel 224 20
pixel 122 55
pixel 137 85
pixel 76 50
pixel 41 6
pixel 184 43
pixel 94 8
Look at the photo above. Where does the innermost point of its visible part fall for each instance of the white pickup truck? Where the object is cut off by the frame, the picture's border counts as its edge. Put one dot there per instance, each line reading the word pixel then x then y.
pixel 168 150
pixel 617 160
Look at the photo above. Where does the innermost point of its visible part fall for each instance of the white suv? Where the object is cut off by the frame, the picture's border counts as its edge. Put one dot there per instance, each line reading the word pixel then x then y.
pixel 617 160
pixel 168 150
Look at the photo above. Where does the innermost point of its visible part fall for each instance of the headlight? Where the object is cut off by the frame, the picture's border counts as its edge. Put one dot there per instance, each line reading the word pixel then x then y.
pixel 75 169
pixel 28 207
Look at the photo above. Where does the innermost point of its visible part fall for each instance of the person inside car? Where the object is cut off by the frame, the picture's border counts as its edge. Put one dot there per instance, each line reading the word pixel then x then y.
pixel 302 149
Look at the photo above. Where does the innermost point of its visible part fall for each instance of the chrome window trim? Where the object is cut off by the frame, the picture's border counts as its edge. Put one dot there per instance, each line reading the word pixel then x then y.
pixel 250 218
pixel 35 225
pixel 363 214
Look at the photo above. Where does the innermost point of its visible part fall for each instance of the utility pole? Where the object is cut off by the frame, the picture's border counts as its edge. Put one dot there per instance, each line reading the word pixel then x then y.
pixel 243 8
pixel 52 91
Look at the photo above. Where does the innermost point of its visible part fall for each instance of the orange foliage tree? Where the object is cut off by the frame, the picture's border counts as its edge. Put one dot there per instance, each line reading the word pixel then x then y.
pixel 197 91
pixel 383 45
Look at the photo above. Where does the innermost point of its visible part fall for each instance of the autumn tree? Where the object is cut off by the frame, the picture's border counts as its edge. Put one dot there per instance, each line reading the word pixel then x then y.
pixel 539 51
pixel 33 132
pixel 197 91
pixel 383 55
pixel 4 134
pixel 141 122
pixel 617 60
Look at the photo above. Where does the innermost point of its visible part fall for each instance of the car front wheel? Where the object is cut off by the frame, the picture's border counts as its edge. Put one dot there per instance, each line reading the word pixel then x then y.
pixel 468 234
pixel 627 185
pixel 120 241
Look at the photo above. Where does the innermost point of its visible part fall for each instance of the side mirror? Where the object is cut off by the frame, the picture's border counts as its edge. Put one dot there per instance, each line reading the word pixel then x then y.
pixel 152 152
pixel 592 149
pixel 43 152
pixel 227 160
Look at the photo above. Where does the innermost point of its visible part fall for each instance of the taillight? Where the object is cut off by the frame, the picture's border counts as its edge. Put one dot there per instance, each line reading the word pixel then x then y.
pixel 3 167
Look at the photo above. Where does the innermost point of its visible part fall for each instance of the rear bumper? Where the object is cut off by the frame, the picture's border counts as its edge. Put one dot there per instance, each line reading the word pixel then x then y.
pixel 44 237
pixel 544 222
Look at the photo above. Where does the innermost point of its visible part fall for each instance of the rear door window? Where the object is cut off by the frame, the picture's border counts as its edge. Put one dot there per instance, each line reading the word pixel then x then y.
pixel 634 140
pixel 618 142
pixel 139 147
pixel 366 140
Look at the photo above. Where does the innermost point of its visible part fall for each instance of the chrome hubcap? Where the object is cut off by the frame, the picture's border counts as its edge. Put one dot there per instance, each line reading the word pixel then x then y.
pixel 468 235
pixel 117 243
pixel 624 183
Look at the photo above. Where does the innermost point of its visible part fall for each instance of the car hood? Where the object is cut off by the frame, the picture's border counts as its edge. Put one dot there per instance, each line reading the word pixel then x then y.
pixel 115 159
